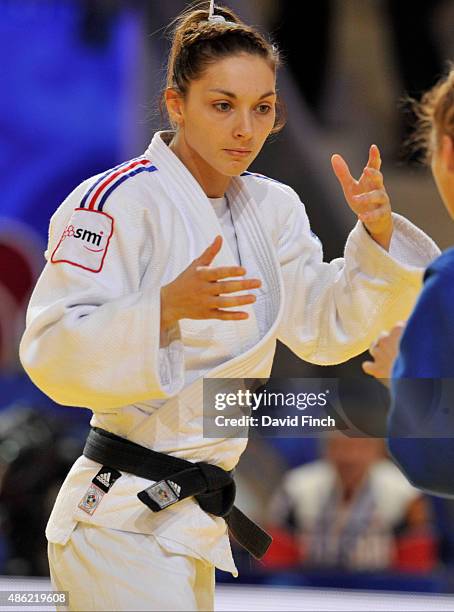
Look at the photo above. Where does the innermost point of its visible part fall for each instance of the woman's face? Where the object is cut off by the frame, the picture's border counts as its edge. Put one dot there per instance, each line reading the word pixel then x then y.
pixel 443 172
pixel 231 107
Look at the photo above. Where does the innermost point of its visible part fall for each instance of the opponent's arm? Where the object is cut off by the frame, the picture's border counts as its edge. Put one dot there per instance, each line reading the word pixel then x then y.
pixel 421 419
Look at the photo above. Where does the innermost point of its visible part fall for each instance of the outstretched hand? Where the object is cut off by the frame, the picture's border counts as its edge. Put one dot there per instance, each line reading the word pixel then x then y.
pixel 367 196
pixel 199 292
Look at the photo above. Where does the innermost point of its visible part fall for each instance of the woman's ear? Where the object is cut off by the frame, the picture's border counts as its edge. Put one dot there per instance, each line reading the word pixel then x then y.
pixel 175 106
pixel 447 152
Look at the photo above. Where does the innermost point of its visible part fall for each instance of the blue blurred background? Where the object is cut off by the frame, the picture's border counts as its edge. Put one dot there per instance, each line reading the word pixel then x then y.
pixel 80 85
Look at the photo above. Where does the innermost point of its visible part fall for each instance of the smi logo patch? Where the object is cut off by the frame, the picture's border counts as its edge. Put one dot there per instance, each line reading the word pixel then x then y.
pixel 85 240
pixel 84 234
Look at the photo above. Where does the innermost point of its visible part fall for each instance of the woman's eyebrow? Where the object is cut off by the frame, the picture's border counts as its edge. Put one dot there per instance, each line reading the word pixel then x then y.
pixel 232 95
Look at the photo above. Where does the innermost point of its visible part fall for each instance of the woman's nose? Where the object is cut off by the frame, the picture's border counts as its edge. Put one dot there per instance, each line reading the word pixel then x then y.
pixel 243 127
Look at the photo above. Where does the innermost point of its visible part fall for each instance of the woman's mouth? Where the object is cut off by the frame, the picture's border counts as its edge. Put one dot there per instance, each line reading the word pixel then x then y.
pixel 238 153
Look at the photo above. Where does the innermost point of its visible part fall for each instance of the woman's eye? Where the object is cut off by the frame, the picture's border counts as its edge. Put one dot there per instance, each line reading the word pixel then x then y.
pixel 265 109
pixel 223 104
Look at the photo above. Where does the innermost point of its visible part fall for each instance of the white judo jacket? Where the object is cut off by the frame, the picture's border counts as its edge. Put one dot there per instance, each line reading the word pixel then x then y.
pixel 92 337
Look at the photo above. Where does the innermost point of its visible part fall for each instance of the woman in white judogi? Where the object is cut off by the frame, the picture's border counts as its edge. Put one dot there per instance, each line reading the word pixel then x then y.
pixel 134 308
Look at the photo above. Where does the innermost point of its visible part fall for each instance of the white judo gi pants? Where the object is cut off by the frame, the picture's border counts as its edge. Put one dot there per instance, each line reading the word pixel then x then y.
pixel 107 569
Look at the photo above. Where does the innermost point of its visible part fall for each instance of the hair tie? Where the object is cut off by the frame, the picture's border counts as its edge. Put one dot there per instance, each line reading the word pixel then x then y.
pixel 212 18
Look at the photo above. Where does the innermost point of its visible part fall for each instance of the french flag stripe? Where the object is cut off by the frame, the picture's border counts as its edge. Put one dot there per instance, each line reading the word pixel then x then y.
pixel 105 175
pixel 111 177
pixel 123 178
pixel 267 178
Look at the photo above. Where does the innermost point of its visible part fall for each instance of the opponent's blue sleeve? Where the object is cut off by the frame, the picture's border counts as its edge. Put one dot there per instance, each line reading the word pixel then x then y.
pixel 421 420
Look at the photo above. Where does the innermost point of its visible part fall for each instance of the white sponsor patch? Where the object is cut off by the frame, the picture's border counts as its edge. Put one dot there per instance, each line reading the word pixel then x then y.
pixel 85 240
pixel 91 499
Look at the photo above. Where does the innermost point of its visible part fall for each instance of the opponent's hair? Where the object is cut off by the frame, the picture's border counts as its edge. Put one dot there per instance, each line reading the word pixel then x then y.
pixel 198 43
pixel 435 115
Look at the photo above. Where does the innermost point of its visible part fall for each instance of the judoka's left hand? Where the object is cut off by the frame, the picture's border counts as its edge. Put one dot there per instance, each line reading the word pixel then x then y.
pixel 367 197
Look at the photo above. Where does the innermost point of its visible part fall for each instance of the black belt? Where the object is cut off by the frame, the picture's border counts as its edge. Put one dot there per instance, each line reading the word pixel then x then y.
pixel 176 479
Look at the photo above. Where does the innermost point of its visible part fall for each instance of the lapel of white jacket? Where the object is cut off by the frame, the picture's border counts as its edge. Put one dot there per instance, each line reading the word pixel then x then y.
pixel 256 248
pixel 188 196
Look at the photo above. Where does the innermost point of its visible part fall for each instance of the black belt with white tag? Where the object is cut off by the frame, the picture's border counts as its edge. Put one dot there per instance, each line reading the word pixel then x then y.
pixel 176 479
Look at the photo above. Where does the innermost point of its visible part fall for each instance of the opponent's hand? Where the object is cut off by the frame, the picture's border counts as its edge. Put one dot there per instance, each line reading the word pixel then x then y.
pixel 367 197
pixel 199 291
pixel 384 352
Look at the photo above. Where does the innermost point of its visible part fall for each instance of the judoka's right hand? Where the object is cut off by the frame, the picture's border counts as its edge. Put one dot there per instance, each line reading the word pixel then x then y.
pixel 198 292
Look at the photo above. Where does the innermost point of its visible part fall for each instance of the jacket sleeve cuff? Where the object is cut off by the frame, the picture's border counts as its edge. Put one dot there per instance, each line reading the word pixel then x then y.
pixel 411 251
pixel 410 245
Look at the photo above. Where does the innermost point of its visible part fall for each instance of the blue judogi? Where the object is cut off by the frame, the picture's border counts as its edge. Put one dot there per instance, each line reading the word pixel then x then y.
pixel 421 421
